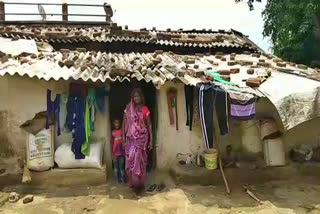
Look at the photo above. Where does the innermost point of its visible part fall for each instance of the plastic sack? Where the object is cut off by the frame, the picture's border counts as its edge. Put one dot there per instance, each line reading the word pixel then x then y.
pixel 40 150
pixel 65 158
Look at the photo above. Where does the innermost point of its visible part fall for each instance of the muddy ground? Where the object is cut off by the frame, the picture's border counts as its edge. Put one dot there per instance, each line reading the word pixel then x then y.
pixel 295 195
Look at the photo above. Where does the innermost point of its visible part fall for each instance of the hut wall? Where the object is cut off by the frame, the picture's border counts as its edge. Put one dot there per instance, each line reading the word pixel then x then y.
pixel 20 99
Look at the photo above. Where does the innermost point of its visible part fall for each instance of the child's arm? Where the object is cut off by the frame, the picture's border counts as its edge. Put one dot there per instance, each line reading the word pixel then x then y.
pixel 111 145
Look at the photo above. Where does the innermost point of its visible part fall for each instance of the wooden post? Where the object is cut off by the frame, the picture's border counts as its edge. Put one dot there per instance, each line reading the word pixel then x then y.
pixel 2 11
pixel 64 12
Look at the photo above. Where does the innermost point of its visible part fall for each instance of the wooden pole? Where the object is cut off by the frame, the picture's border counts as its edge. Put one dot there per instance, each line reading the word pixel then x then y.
pixel 2 11
pixel 64 12
pixel 220 162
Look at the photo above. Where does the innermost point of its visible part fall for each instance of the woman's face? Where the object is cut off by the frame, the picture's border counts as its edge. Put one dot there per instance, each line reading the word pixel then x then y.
pixel 137 98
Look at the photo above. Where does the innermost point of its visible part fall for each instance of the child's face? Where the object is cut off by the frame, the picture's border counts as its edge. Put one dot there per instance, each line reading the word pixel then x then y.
pixel 116 124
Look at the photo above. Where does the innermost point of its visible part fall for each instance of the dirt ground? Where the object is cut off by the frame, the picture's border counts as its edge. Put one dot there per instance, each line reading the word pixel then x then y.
pixel 296 195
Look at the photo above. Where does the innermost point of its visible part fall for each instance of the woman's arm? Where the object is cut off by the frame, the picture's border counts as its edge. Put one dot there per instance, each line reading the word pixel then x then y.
pixel 123 132
pixel 149 126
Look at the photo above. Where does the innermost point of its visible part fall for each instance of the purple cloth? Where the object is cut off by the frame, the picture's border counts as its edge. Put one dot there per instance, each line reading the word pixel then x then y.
pixel 137 136
pixel 243 110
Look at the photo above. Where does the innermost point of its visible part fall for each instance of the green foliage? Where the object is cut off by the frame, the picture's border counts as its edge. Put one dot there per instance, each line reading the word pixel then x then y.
pixel 294 29
pixel 292 26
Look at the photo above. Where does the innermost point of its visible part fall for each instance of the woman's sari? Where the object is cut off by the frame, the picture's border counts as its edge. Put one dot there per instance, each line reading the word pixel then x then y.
pixel 136 133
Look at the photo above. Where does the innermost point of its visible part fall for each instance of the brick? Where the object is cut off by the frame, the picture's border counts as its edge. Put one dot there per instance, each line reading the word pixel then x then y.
pixel 4 59
pixel 189 61
pixel 250 71
pixel 226 77
pixel 28 199
pixel 256 55
pixel 232 63
pixel 253 82
pixel 235 70
pixel 224 72
pixel 69 63
pixel 302 66
pixel 281 64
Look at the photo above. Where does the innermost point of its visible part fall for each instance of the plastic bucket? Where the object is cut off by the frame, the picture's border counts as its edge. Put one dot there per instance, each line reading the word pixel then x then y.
pixel 210 159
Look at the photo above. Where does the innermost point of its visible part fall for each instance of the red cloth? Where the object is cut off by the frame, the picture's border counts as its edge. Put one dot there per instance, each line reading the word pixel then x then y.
pixel 117 149
pixel 78 90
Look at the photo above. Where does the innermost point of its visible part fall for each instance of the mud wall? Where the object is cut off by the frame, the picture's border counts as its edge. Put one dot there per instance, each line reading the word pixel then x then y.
pixel 243 136
pixel 20 99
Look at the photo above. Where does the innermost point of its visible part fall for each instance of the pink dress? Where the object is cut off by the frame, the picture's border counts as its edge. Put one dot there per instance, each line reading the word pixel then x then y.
pixel 137 139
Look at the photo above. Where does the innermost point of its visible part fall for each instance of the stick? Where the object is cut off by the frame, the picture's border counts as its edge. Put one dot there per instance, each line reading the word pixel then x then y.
pixel 252 195
pixel 220 164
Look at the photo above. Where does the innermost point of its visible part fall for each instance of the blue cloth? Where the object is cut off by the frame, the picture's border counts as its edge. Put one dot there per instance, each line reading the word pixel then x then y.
pixel 53 109
pixel 75 123
pixel 101 93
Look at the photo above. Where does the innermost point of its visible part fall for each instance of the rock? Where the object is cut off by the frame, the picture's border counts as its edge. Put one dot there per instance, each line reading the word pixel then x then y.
pixel 120 197
pixel 89 209
pixel 4 197
pixel 14 197
pixel 28 199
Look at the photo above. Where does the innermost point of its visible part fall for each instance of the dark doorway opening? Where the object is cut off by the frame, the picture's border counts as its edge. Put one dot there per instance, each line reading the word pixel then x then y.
pixel 120 97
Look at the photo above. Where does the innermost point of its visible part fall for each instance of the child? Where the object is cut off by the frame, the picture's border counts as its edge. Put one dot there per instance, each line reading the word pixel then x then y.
pixel 118 152
pixel 230 159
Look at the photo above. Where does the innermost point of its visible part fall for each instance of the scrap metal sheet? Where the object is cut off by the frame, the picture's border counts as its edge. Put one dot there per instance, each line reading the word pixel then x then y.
pixel 297 99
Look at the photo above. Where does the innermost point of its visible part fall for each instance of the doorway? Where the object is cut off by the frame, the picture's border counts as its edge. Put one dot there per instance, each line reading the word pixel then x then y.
pixel 120 97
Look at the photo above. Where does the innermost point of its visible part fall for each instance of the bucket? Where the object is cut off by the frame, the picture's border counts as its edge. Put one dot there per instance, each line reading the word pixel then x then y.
pixel 210 158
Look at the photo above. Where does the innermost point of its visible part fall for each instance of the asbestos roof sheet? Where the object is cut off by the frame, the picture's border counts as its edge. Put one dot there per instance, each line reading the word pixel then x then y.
pixel 157 67
pixel 74 34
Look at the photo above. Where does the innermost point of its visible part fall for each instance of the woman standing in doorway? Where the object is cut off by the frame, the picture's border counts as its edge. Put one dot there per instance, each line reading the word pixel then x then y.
pixel 137 139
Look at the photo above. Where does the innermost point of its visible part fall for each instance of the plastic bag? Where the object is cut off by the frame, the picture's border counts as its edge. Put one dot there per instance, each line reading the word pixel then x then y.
pixel 65 158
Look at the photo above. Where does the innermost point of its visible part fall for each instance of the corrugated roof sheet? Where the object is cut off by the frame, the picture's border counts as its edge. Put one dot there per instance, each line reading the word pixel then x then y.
pixel 73 34
pixel 157 67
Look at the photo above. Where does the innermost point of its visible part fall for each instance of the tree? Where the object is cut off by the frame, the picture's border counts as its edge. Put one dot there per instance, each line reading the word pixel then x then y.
pixel 294 29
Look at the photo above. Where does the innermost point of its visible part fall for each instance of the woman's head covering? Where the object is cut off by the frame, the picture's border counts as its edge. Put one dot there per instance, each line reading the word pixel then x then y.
pixel 139 91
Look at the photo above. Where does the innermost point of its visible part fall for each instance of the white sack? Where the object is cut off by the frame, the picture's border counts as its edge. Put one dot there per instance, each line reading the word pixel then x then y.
pixel 65 158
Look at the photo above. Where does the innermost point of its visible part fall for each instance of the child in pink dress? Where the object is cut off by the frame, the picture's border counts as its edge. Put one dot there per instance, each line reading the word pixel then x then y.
pixel 118 154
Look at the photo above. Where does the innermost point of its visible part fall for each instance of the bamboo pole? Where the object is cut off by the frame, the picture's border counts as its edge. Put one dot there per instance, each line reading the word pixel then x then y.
pixel 220 163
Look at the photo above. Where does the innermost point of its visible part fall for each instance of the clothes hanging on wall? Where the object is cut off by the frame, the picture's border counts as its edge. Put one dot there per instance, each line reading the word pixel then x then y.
pixel 101 94
pixel 88 129
pixel 243 106
pixel 189 94
pixel 63 110
pixel 221 106
pixel 53 109
pixel 196 111
pixel 75 118
pixel 206 103
pixel 172 103
pixel 92 104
